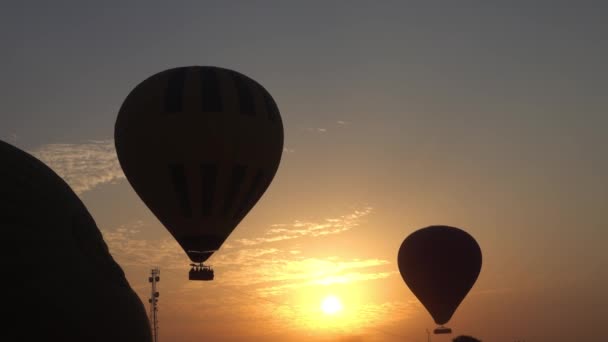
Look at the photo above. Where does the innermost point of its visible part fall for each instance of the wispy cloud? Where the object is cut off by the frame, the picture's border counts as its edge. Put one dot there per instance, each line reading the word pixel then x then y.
pixel 11 138
pixel 297 229
pixel 320 130
pixel 264 277
pixel 83 166
pixel 282 273
pixel 130 248
pixel 277 266
pixel 273 268
pixel 126 241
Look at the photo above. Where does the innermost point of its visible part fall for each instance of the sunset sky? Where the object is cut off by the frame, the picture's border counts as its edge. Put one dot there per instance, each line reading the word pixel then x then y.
pixel 491 117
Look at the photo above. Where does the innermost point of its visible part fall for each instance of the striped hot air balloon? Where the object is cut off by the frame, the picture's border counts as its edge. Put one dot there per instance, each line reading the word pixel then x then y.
pixel 199 145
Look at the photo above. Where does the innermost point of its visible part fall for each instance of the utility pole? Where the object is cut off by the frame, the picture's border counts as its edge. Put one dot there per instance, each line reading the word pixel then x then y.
pixel 153 279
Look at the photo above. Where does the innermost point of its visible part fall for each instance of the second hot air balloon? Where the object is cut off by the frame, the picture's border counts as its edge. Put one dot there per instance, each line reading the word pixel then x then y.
pixel 199 145
pixel 440 264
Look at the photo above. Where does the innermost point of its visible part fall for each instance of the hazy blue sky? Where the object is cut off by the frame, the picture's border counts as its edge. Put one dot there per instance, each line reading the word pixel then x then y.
pixel 491 116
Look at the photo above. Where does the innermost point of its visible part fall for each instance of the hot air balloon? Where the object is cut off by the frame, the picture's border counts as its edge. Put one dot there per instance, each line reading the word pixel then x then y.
pixel 440 264
pixel 199 145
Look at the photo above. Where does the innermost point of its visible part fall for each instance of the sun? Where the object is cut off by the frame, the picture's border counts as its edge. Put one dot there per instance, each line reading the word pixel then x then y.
pixel 331 305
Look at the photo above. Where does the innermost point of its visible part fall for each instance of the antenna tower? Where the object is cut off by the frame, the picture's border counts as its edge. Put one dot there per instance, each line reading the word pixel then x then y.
pixel 153 279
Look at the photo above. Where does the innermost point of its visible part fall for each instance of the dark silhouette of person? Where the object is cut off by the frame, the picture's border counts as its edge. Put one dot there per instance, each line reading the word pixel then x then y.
pixel 59 281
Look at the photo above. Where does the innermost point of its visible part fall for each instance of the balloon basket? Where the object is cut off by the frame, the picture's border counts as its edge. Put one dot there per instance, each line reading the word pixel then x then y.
pixel 442 330
pixel 200 272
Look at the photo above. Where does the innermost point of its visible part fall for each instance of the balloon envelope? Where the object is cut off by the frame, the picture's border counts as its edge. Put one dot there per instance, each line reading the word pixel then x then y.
pixel 440 264
pixel 199 145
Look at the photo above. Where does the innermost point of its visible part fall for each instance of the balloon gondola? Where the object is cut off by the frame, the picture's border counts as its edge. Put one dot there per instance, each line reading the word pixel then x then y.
pixel 440 264
pixel 442 330
pixel 199 145
pixel 200 272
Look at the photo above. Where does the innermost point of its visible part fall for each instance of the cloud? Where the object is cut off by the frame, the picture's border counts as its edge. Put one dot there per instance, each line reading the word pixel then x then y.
pixel 83 166
pixel 88 165
pixel 259 262
pixel 272 269
pixel 130 248
pixel 298 229
pixel 11 138
pixel 126 241
pixel 274 285
pixel 320 130
pixel 283 273
pixel 261 278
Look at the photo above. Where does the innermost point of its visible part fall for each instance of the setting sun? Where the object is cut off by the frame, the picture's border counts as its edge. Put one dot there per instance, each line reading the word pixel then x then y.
pixel 331 305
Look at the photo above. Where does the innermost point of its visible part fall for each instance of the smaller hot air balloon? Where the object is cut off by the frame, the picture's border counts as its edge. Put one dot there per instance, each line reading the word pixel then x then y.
pixel 440 264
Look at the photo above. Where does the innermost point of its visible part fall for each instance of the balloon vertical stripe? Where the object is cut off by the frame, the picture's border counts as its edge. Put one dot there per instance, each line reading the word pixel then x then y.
pixel 238 175
pixel 208 183
pixel 178 175
pixel 175 91
pixel 210 91
pixel 253 189
pixel 245 95
pixel 271 108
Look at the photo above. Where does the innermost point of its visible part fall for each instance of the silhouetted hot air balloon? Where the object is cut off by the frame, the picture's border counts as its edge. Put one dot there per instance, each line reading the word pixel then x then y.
pixel 199 145
pixel 440 264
